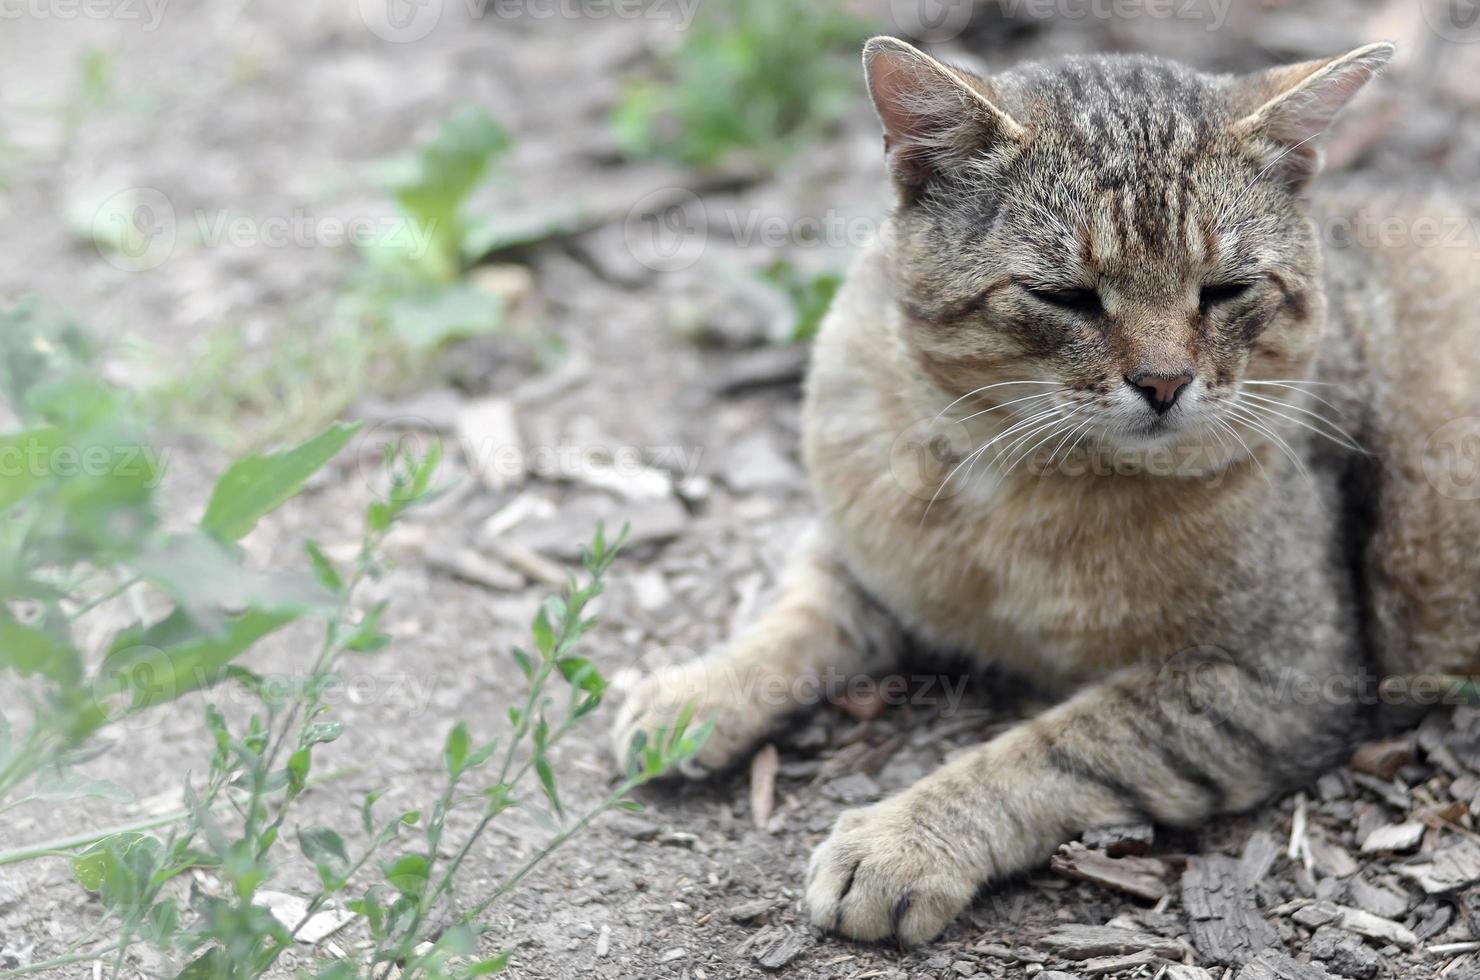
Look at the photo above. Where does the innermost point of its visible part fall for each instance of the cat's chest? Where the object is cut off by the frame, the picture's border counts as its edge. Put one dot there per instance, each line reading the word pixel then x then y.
pixel 1033 580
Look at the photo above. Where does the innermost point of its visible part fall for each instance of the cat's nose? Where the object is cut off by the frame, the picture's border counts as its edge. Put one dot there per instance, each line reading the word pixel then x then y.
pixel 1159 390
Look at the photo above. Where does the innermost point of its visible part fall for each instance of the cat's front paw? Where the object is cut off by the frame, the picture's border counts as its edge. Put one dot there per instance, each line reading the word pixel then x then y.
pixel 885 874
pixel 713 694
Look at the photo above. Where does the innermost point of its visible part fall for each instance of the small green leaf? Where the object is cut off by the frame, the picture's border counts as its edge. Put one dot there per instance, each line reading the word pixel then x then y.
pixel 324 847
pixel 298 765
pixel 490 966
pixel 258 484
pixel 482 754
pixel 407 874
pixel 547 782
pixel 31 651
pixel 367 817
pixel 455 752
pixel 544 634
pixel 526 666
pixel 323 569
pixel 581 673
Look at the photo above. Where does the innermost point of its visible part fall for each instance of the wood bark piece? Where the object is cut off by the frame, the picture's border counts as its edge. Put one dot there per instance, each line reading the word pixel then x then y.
pixel 1138 876
pixel 1444 870
pixel 1223 914
pixel 1122 839
pixel 1081 942
pixel 1274 965
pixel 777 947
pixel 1394 837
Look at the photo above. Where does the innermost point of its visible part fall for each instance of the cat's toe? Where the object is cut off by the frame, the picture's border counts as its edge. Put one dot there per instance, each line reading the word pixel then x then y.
pixel 879 876
pixel 660 702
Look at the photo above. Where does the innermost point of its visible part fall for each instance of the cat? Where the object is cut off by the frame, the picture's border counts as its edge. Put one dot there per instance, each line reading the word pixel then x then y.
pixel 1192 464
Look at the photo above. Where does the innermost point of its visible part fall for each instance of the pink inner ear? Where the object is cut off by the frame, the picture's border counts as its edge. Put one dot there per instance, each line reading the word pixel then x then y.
pixel 1309 112
pixel 1300 101
pixel 899 86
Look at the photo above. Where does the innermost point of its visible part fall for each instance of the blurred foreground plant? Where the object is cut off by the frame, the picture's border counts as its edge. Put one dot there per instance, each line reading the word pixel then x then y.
pixel 76 538
pixel 82 527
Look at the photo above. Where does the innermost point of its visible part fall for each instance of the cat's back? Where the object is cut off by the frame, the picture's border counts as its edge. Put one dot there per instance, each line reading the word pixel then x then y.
pixel 1404 354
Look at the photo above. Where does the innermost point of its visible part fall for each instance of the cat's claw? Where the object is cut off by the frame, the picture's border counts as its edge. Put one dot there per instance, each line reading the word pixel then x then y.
pixel 879 875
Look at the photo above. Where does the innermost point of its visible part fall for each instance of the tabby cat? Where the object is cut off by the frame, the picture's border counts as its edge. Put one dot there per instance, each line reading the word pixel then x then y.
pixel 1194 471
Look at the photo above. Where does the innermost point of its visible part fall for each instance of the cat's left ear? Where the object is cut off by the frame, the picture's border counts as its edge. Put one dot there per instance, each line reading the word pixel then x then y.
pixel 935 117
pixel 1290 106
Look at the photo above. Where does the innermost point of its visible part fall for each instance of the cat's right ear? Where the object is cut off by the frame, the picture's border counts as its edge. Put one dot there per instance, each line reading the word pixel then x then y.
pixel 934 116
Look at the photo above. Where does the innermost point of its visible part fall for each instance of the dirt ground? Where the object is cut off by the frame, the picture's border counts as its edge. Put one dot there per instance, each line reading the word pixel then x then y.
pixel 274 110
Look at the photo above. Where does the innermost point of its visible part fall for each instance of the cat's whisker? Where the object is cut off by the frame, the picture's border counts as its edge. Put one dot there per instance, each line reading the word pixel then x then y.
pixel 1309 394
pixel 1344 439
pixel 1045 421
pixel 1054 427
pixel 1015 401
pixel 975 454
pixel 1241 413
pixel 1072 433
pixel 978 391
pixel 1252 455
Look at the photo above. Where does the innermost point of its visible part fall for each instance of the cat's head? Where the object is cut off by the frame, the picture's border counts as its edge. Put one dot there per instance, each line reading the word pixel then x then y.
pixel 1123 232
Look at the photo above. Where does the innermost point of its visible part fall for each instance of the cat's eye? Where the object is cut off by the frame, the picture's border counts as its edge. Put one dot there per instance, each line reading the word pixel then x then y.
pixel 1223 292
pixel 1085 302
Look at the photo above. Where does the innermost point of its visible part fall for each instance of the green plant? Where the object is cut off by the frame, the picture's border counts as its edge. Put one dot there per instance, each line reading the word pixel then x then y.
pixel 758 76
pixel 809 296
pixel 75 541
pixel 414 279
pixel 82 526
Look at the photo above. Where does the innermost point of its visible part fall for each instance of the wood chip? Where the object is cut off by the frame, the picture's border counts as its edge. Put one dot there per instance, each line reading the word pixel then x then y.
pixel 467 565
pixel 1384 759
pixel 290 909
pixel 1444 870
pixel 1122 839
pixel 492 447
pixel 1260 853
pixel 1393 838
pixel 1314 915
pixel 1378 899
pixel 531 563
pixel 751 911
pixel 1114 964
pixel 1330 858
pixel 1080 942
pixel 1138 876
pixel 763 768
pixel 1224 917
pixel 1181 971
pixel 1272 965
pixel 1376 927
pixel 779 948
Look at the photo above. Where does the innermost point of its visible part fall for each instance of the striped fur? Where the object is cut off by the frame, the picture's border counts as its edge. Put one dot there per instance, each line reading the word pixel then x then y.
pixel 1211 588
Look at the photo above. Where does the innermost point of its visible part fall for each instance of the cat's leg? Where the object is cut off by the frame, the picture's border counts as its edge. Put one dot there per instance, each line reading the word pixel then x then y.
pixel 1172 745
pixel 821 629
